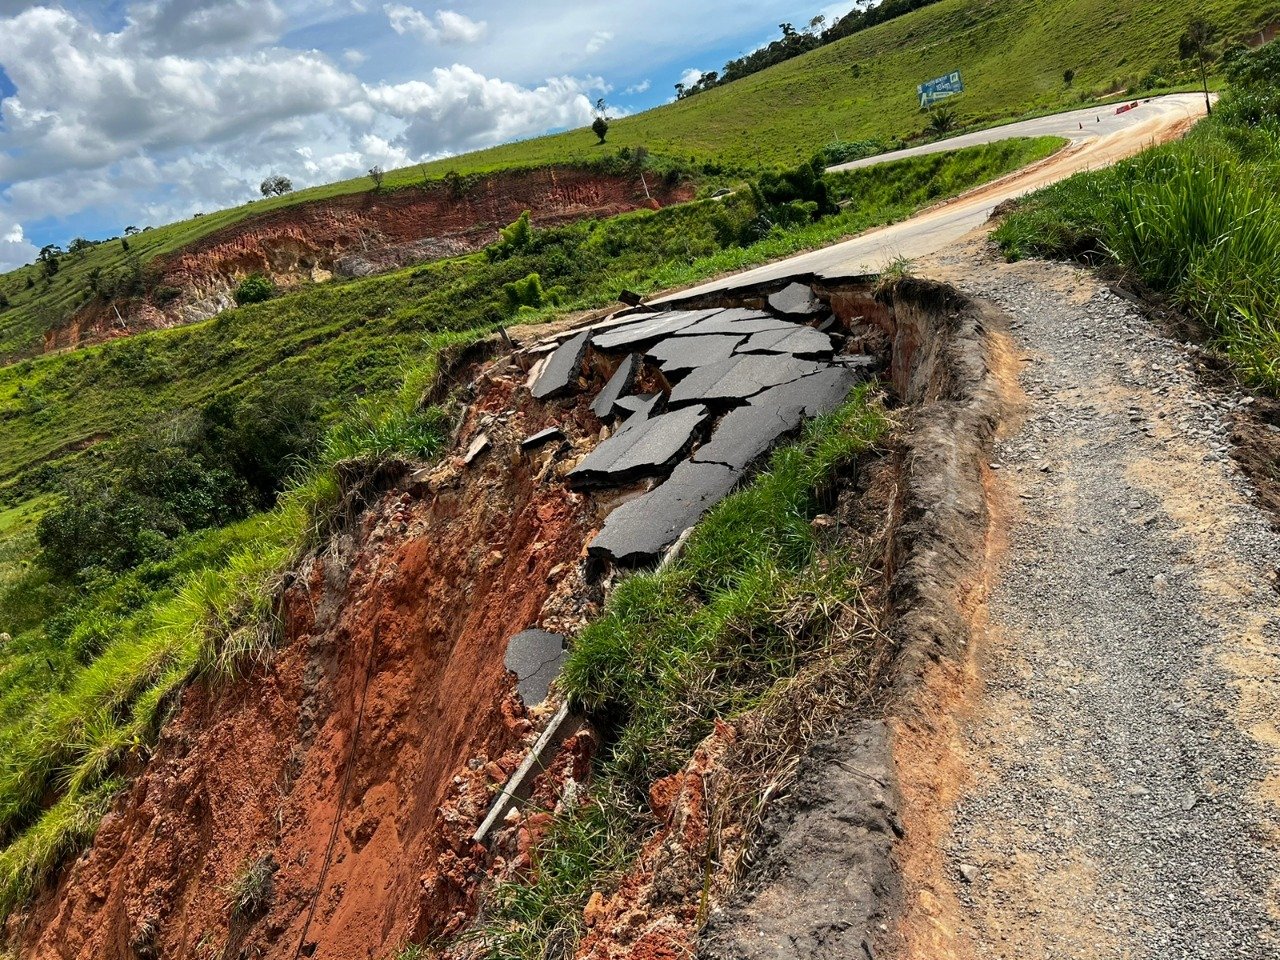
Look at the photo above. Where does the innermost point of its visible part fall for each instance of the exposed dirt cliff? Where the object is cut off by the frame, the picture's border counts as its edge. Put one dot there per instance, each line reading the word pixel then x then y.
pixel 357 235
pixel 354 769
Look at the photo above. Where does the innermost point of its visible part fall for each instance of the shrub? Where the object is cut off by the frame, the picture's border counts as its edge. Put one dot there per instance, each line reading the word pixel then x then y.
pixel 846 151
pixel 528 294
pixel 254 288
pixel 251 890
pixel 512 239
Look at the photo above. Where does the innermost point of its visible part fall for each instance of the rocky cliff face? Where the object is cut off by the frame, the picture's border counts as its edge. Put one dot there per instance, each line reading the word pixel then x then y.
pixel 358 235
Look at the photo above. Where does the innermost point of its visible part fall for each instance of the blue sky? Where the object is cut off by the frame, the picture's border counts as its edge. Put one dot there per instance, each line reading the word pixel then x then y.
pixel 146 111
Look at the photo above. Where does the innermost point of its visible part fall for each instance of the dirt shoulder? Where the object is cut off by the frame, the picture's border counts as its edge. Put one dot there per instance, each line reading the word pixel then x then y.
pixel 1117 755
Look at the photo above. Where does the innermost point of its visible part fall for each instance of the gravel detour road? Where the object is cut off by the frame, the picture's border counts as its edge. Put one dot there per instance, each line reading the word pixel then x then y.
pixel 1120 743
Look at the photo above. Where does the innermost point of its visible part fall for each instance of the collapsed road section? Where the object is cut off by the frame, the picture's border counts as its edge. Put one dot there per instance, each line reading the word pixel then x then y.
pixel 697 396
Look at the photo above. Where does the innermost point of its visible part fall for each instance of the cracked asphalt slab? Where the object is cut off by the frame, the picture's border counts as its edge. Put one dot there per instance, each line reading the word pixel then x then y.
pixel 1124 748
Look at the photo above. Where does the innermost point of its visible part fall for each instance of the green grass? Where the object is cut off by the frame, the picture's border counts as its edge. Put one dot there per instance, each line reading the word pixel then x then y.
pixel 753 599
pixel 1012 53
pixel 1198 220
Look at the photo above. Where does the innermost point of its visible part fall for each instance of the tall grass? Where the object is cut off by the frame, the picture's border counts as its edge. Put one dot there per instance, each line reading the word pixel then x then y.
pixel 1197 220
pixel 752 599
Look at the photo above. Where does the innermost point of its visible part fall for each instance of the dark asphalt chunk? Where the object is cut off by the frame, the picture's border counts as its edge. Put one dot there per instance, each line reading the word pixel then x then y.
pixel 739 378
pixel 541 438
pixel 751 431
pixel 748 432
pixel 863 363
pixel 795 300
pixel 814 395
pixel 638 531
pixel 642 404
pixel 677 355
pixel 799 341
pixel 640 448
pixel 638 334
pixel 618 385
pixel 534 656
pixel 561 372
pixel 736 321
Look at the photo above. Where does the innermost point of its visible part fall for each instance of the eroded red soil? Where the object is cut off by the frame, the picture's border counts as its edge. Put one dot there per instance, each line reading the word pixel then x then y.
pixel 387 712
pixel 360 234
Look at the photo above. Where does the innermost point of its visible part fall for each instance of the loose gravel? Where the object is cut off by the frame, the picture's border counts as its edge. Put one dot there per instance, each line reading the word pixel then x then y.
pixel 1125 761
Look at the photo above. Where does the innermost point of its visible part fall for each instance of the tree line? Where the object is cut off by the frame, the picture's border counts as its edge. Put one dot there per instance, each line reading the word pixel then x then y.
pixel 795 42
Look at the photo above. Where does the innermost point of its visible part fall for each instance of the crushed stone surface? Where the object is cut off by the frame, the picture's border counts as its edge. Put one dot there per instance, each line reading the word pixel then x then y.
pixel 1125 794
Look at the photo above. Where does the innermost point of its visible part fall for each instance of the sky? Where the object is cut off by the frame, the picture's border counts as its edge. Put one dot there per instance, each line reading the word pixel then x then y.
pixel 143 112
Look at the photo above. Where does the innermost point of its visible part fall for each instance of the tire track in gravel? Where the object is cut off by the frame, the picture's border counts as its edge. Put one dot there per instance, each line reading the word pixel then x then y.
pixel 1124 750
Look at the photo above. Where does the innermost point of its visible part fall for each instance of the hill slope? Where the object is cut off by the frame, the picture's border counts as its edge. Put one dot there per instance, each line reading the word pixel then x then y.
pixel 1012 53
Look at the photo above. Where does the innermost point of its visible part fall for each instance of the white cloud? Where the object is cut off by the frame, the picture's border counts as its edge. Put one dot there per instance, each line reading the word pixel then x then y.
pixel 189 26
pixel 86 99
pixel 641 87
pixel 599 40
pixel 354 57
pixel 448 26
pixel 461 109
pixel 691 76
pixel 15 250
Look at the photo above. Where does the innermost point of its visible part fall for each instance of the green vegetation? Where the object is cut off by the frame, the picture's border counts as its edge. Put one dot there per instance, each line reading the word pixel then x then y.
pixel 1198 220
pixel 753 600
pixel 162 483
pixel 254 288
pixel 794 43
pixel 1014 55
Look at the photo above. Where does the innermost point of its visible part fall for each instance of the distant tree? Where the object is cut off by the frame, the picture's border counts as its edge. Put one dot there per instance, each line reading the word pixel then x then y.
pixel 942 121
pixel 680 91
pixel 31 281
pixel 124 244
pixel 788 31
pixel 377 175
pixel 48 258
pixel 1195 43
pixel 4 301
pixel 131 231
pixel 1068 77
pixel 817 23
pixel 600 126
pixel 78 246
pixel 94 279
pixel 275 186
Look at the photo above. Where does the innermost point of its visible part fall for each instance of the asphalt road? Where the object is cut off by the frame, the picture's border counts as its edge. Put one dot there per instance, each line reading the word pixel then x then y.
pixel 1099 137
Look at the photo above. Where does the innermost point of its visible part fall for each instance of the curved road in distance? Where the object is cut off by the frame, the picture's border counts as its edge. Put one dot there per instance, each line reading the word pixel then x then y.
pixel 1107 137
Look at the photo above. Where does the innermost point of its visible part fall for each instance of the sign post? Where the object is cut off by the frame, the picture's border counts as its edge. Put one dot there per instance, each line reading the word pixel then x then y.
pixel 931 91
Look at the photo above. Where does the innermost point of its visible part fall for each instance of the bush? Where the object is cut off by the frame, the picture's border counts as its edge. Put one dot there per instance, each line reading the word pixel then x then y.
pixel 512 239
pixel 194 472
pixel 846 151
pixel 528 294
pixel 254 289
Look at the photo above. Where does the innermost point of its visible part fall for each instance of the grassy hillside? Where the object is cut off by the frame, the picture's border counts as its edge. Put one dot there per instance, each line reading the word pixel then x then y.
pixel 1012 52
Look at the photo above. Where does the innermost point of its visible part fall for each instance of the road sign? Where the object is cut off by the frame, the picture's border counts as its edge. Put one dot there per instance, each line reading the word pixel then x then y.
pixel 931 91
